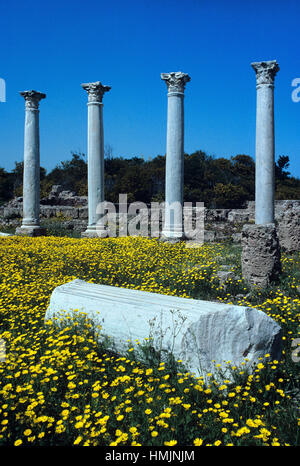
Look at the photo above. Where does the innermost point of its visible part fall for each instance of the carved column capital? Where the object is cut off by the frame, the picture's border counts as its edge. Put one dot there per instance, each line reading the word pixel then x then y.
pixel 265 72
pixel 175 81
pixel 95 91
pixel 32 99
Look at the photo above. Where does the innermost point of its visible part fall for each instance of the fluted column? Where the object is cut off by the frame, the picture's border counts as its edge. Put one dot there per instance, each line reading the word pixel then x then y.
pixel 173 226
pixel 31 174
pixel 265 145
pixel 95 92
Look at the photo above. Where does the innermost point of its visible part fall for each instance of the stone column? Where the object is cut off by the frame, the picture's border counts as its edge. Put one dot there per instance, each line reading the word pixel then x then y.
pixel 31 174
pixel 261 264
pixel 173 226
pixel 95 92
pixel 265 147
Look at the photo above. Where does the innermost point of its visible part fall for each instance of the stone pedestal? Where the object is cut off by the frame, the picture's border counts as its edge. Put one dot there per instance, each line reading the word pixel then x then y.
pixel 31 175
pixel 260 255
pixel 95 92
pixel 265 149
pixel 173 226
pixel 31 231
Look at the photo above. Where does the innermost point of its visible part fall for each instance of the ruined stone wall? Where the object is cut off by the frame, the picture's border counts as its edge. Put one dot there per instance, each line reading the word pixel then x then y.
pixel 219 224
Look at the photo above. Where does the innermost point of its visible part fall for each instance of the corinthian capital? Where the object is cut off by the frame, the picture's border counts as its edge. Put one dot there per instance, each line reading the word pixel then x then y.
pixel 95 91
pixel 175 81
pixel 32 99
pixel 265 71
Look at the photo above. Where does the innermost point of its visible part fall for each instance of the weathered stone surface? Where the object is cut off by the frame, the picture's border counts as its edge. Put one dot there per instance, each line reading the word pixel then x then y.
pixel 198 332
pixel 236 237
pixel 216 215
pixel 239 215
pixel 260 254
pixel 226 274
pixel 289 229
pixel 12 212
pixel 209 236
pixel 30 231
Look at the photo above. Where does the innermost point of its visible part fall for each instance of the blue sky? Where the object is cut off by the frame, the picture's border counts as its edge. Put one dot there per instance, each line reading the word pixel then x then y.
pixel 55 46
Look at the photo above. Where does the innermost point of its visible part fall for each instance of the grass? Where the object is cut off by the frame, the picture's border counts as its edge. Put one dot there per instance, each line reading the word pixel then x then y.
pixel 59 386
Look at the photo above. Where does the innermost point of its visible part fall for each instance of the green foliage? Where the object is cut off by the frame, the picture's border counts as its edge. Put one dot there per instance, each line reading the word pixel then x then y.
pixel 218 182
pixel 6 185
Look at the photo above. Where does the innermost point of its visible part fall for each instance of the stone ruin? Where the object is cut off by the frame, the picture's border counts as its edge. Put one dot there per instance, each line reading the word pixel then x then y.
pixel 81 214
pixel 263 227
pixel 220 224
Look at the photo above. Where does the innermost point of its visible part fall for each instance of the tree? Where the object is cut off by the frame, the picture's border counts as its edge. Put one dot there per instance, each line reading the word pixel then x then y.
pixel 6 185
pixel 71 174
pixel 283 162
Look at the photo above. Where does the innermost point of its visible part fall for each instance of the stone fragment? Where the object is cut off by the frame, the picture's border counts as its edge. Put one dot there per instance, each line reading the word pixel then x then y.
pixel 260 254
pixel 56 189
pixel 209 235
pixel 200 333
pixel 225 275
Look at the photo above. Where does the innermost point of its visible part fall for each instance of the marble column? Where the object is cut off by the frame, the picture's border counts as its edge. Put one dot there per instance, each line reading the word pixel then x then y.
pixel 31 174
pixel 95 92
pixel 173 226
pixel 265 147
pixel 261 258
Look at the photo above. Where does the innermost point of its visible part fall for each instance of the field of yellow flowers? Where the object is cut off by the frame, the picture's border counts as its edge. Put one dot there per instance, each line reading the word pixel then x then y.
pixel 58 386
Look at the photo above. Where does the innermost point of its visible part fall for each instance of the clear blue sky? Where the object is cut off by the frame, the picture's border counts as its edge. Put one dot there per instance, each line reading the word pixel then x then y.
pixel 54 46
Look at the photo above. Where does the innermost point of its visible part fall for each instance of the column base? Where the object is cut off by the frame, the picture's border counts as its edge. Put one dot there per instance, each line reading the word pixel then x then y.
pixel 95 233
pixel 172 236
pixel 261 263
pixel 31 230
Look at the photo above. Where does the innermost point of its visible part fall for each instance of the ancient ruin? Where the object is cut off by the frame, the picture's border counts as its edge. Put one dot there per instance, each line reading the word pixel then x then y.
pixel 260 240
pixel 200 333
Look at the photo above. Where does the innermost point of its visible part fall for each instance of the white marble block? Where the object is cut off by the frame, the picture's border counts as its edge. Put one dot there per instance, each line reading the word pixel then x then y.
pixel 197 332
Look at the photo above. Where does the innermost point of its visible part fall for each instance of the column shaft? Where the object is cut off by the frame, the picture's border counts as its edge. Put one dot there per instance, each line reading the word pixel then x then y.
pixel 31 173
pixel 265 143
pixel 173 226
pixel 265 156
pixel 95 162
